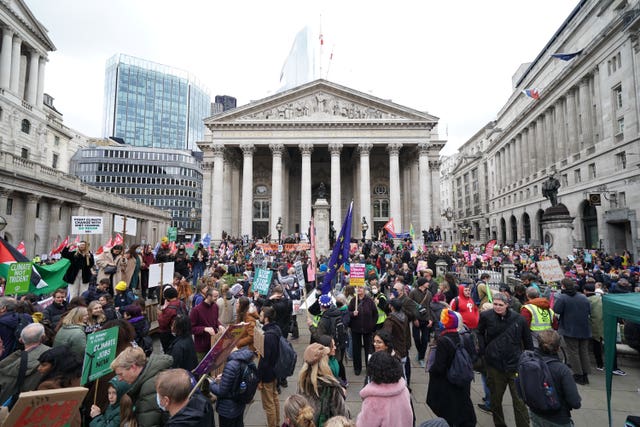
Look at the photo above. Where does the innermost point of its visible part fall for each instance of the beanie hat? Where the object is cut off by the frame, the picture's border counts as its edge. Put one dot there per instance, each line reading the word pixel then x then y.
pixel 165 239
pixel 314 352
pixel 325 300
pixel 448 319
pixel 170 292
pixel 121 286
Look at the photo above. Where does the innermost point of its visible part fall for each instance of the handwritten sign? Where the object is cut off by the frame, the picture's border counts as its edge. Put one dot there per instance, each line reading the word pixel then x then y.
pixel 46 408
pixel 262 281
pixel 219 351
pixel 550 270
pixel 99 353
pixel 18 278
pixel 356 276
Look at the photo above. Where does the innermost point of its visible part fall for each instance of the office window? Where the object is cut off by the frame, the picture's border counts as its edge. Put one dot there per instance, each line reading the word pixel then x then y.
pixel 592 170
pixel 617 97
pixel 56 142
pixel 564 179
pixel 620 126
pixel 24 153
pixel 26 126
pixel 621 160
pixel 37 210
pixel 577 176
pixel 54 162
pixel 9 206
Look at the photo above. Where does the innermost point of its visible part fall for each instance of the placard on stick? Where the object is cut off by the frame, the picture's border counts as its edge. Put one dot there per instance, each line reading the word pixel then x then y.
pixel 46 408
pixel 219 352
pixel 99 353
pixel 161 273
pixel 262 281
pixel 356 276
pixel 18 278
pixel 550 270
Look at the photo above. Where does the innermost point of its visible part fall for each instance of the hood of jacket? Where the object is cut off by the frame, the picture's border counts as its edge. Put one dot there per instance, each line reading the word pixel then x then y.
pixel 542 303
pixel 120 386
pixel 383 390
pixel 155 364
pixel 399 315
pixel 196 413
pixel 333 311
pixel 243 355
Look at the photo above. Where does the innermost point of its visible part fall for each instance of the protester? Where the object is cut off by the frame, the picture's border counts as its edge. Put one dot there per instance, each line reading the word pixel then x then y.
pixel 467 308
pixel 110 417
pixel 247 314
pixel 268 381
pixel 200 293
pixel 172 306
pixel 133 314
pixel 421 326
pixel 298 412
pixel 226 306
pixel 108 308
pixel 95 292
pixel 182 348
pixel 60 367
pixel 122 297
pixel 199 260
pixel 9 322
pixel 229 407
pixel 363 324
pixel 71 333
pixel 173 389
pixel 147 260
pixel 95 317
pixel 204 322
pixel 107 263
pixel 80 270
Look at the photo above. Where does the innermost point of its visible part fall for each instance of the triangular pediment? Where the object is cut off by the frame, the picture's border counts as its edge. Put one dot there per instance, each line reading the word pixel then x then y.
pixel 21 12
pixel 321 101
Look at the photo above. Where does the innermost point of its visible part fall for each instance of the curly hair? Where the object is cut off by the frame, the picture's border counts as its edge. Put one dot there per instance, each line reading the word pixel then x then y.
pixel 384 368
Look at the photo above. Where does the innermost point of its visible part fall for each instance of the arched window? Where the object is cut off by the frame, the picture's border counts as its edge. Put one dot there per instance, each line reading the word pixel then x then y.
pixel 26 126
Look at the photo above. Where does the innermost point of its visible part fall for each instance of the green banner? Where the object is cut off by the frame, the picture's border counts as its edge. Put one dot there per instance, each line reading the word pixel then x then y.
pixel 52 277
pixel 172 234
pixel 100 352
pixel 262 281
pixel 18 278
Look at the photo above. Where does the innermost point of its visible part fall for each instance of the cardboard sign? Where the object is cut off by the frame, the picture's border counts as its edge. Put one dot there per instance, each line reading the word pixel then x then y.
pixel 258 339
pixel 18 278
pixel 262 281
pixel 125 225
pixel 219 352
pixel 356 276
pixel 550 270
pixel 86 225
pixel 46 408
pixel 299 272
pixel 172 234
pixel 99 353
pixel 161 274
pixel 579 268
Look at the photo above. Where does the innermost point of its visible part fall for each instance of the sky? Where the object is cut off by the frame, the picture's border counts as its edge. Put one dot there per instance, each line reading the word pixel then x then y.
pixel 453 60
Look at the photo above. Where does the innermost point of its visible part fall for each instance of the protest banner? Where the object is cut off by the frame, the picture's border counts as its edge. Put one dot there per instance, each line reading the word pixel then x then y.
pixel 579 268
pixel 299 272
pixel 86 225
pixel 161 274
pixel 219 351
pixel 18 278
pixel 46 408
pixel 99 353
pixel 550 270
pixel 422 265
pixel 356 277
pixel 125 225
pixel 262 281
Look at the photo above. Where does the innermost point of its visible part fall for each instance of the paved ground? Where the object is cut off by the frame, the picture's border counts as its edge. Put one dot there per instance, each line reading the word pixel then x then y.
pixel 625 397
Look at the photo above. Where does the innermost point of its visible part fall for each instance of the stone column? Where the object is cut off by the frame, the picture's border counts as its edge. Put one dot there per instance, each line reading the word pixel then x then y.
pixel 32 82
pixel 573 144
pixel 424 183
pixel 217 190
pixel 597 107
pixel 29 236
pixel 14 80
pixel 276 188
pixel 365 185
pixel 395 208
pixel 5 58
pixel 514 163
pixel 549 148
pixel 305 186
pixel 539 153
pixel 207 206
pixel 246 221
pixel 519 162
pixel 336 196
pixel 4 195
pixel 40 90
pixel 54 221
pixel 235 189
pixel 496 172
pixel 505 168
pixel 561 134
pixel 585 112
pixel 524 152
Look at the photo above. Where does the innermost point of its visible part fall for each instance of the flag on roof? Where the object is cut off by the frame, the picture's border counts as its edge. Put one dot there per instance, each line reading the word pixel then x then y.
pixel 532 93
pixel 567 56
pixel 340 253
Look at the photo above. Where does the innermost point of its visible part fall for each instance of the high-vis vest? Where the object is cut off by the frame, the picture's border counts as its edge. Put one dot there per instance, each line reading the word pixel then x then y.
pixel 382 316
pixel 541 318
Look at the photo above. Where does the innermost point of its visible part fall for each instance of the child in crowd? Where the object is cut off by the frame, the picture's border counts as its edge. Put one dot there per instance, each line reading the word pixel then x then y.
pixel 111 415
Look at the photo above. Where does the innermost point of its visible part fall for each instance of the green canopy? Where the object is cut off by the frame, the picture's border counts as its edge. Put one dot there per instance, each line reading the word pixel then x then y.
pixel 623 306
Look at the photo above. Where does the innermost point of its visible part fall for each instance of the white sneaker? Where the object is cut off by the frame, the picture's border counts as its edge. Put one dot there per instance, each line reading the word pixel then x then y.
pixel 619 372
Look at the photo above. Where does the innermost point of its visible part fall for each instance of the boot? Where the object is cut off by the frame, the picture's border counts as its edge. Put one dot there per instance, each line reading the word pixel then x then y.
pixel 585 379
pixel 579 379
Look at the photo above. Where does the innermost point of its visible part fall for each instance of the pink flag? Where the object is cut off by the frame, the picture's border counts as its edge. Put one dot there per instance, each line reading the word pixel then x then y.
pixel 74 245
pixel 489 248
pixel 21 248
pixel 119 240
pixel 311 266
pixel 390 227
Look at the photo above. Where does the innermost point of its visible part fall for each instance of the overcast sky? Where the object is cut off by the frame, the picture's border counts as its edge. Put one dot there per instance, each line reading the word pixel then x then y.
pixel 454 59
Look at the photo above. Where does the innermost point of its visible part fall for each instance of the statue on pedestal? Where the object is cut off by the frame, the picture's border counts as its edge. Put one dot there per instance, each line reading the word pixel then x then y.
pixel 550 189
pixel 322 191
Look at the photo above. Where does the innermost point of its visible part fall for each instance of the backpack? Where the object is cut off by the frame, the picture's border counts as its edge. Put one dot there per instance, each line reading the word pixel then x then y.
pixel 460 371
pixel 181 309
pixel 535 384
pixel 287 358
pixel 246 384
pixel 339 332
pixel 475 296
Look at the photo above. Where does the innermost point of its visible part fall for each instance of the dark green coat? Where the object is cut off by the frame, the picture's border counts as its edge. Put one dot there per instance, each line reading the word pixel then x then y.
pixel 143 391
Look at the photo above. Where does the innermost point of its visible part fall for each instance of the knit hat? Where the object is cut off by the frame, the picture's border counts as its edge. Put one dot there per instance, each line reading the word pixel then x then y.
pixel 314 352
pixel 448 319
pixel 170 292
pixel 121 286
pixel 325 300
pixel 165 239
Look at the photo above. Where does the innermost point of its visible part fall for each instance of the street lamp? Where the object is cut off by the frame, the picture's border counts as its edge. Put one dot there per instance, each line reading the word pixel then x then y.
pixel 279 228
pixel 364 228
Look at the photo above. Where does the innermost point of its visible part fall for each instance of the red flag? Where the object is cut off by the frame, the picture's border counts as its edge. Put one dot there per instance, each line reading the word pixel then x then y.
pixel 488 250
pixel 390 227
pixel 311 266
pixel 74 245
pixel 119 240
pixel 172 247
pixel 21 248
pixel 108 245
pixel 59 249
pixel 99 250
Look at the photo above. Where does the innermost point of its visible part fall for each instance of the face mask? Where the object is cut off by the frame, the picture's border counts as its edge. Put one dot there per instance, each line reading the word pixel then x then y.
pixel 395 293
pixel 374 291
pixel 159 404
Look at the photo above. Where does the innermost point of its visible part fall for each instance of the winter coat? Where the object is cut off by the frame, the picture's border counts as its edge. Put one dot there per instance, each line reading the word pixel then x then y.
pixel 197 413
pixel 410 308
pixel 92 294
pixel 203 315
pixel 122 299
pixel 79 262
pixel 183 352
pixel 110 417
pixel 141 326
pixel 246 339
pixel 226 405
pixel 502 350
pixel 143 391
pixel 8 324
pixel 541 303
pixel 325 324
pixel 72 336
pixel 597 319
pixel 164 254
pixel 166 316
pixel 385 405
pixel 334 404
pixel 447 400
pixel 283 307
pixel 10 366
pixel 467 309
pixel 102 261
pixel 566 389
pixel 397 325
pixel 226 309
pixel 365 321
pixel 272 336
pixel 53 313
pixel 422 298
pixel 182 263
pixel 574 311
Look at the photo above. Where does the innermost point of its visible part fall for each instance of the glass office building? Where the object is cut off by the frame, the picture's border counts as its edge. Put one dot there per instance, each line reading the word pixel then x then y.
pixel 153 105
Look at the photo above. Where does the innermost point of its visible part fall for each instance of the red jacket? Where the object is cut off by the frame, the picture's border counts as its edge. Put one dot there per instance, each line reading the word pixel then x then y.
pixel 203 315
pixel 165 318
pixel 467 309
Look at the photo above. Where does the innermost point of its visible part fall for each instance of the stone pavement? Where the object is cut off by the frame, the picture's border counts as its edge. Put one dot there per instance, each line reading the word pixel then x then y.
pixel 625 397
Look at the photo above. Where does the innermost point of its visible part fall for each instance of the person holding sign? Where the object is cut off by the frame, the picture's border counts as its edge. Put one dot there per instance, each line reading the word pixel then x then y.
pixel 80 271
pixel 364 315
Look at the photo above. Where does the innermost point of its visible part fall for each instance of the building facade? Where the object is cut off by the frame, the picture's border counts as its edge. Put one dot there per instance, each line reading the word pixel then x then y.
pixel 584 128
pixel 272 158
pixel 153 105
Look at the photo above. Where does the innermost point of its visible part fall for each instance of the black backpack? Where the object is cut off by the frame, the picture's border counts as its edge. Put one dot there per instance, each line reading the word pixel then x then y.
pixel 535 384
pixel 339 332
pixel 460 371
pixel 246 384
pixel 287 359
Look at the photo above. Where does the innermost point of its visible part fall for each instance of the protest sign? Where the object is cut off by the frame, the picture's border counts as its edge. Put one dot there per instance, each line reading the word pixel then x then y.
pixel 161 274
pixel 579 269
pixel 46 408
pixel 550 270
pixel 18 278
pixel 299 272
pixel 258 339
pixel 99 353
pixel 125 225
pixel 220 350
pixel 262 281
pixel 356 276
pixel 86 225
pixel 422 265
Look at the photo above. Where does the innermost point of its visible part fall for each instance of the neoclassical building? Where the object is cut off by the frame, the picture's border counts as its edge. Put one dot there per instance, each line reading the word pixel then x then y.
pixel 584 128
pixel 267 160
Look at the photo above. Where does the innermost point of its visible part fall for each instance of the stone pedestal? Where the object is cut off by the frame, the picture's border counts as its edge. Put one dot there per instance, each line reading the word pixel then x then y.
pixel 557 229
pixel 321 216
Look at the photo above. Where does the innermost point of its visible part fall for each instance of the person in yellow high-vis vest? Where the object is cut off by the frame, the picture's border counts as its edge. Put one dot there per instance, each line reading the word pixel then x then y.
pixel 381 303
pixel 538 313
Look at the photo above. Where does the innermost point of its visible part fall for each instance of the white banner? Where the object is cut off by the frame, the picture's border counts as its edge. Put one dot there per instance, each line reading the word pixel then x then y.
pixel 86 225
pixel 126 225
pixel 161 274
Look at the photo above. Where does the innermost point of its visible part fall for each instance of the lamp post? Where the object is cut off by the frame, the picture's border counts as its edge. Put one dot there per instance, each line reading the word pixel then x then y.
pixel 364 228
pixel 193 216
pixel 279 228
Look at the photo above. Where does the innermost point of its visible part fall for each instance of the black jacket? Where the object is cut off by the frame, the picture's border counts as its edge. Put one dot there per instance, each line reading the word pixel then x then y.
pixel 502 339
pixel 183 352
pixel 325 324
pixel 78 263
pixel 566 389
pixel 283 307
pixel 272 336
pixel 198 412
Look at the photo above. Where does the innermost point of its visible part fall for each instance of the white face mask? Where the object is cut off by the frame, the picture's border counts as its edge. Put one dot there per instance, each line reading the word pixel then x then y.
pixel 374 291
pixel 159 404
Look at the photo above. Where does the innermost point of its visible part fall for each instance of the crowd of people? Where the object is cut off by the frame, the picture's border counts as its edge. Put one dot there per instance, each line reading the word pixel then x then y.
pixel 459 323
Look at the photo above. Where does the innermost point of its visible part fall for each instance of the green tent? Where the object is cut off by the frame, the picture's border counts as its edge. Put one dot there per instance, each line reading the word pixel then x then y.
pixel 623 306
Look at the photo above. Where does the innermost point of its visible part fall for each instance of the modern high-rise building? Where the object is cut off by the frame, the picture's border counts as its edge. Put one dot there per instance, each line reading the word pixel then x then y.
pixel 153 105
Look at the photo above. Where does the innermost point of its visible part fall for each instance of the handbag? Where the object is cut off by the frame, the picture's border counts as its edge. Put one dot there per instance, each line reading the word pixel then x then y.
pixel 109 269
